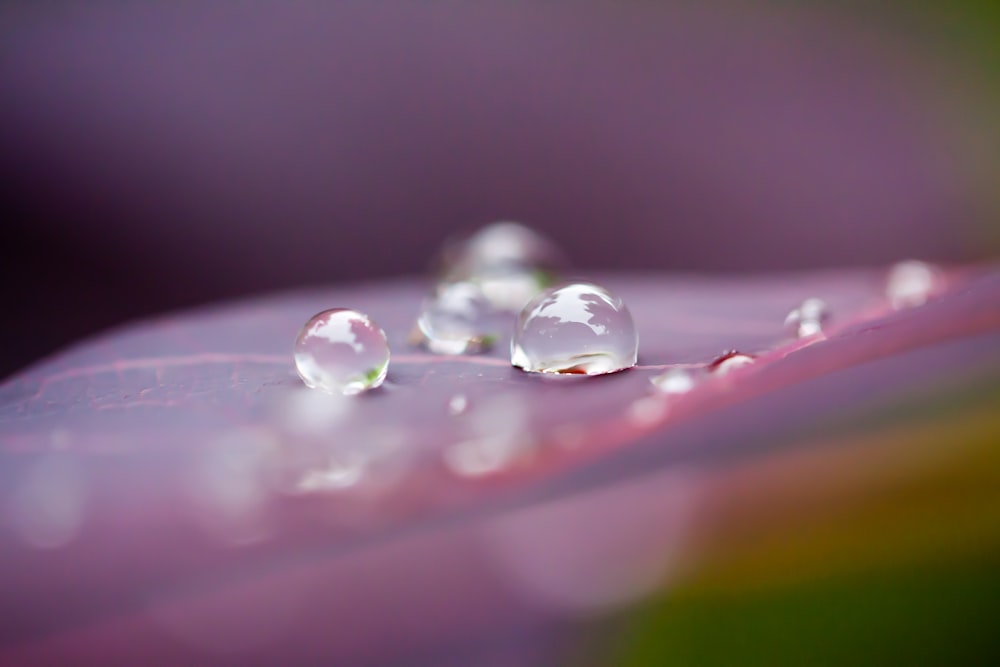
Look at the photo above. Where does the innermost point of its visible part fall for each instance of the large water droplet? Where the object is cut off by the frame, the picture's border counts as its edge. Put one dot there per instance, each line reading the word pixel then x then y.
pixel 674 381
pixel 341 351
pixel 457 319
pixel 730 361
pixel 510 262
pixel 808 319
pixel 911 283
pixel 579 329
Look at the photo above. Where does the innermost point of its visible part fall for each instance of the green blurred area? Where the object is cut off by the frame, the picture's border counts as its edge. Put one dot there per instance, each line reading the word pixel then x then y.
pixel 923 616
pixel 898 562
pixel 963 37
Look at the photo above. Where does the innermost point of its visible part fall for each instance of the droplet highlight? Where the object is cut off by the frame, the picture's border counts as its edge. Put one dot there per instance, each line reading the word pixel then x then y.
pixel 457 319
pixel 808 318
pixel 730 361
pixel 578 329
pixel 341 351
pixel 911 283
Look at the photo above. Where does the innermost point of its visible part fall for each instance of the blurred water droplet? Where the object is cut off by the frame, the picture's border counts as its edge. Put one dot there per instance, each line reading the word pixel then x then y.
pixel 510 262
pixel 579 329
pixel 808 319
pixel 730 361
pixel 341 351
pixel 472 458
pixel 457 404
pixel 674 381
pixel 341 472
pixel 457 319
pixel 498 436
pixel 508 288
pixel 503 243
pixel 230 485
pixel 647 410
pixel 911 283
pixel 304 412
pixel 48 502
pixel 365 463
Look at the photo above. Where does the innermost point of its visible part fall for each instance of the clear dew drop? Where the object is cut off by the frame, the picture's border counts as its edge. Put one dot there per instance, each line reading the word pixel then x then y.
pixel 457 319
pixel 341 351
pixel 808 318
pixel 579 329
pixel 911 283
pixel 730 361
pixel 673 381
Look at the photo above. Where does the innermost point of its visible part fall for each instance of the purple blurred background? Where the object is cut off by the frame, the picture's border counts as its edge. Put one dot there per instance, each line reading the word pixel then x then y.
pixel 161 155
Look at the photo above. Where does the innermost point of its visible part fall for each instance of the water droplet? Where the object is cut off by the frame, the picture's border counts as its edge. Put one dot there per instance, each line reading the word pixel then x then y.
pixel 457 319
pixel 674 381
pixel 508 261
pixel 341 351
pixel 808 319
pixel 911 283
pixel 457 404
pixel 579 329
pixel 730 361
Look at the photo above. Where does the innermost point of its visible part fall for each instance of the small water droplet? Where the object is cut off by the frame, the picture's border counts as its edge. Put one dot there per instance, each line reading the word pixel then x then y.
pixel 457 319
pixel 457 404
pixel 341 351
pixel 808 319
pixel 730 361
pixel 674 381
pixel 911 283
pixel 579 329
